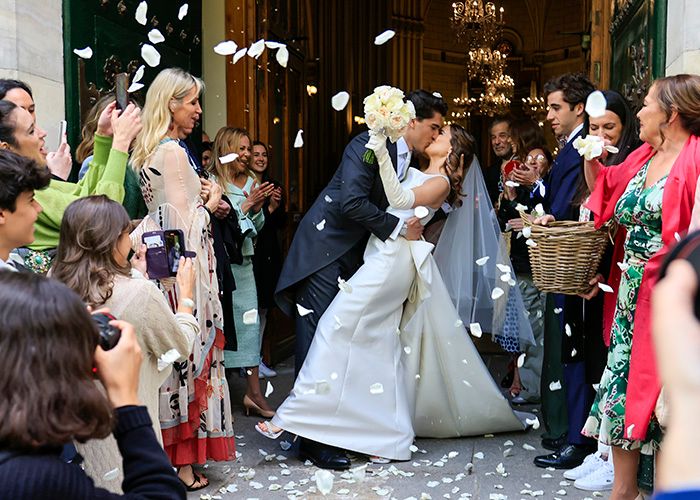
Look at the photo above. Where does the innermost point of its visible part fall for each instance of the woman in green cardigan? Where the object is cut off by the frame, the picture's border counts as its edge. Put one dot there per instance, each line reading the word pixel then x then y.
pixel 115 131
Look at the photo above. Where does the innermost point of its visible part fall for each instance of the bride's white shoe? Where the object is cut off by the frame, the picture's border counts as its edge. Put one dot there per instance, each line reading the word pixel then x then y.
pixel 267 430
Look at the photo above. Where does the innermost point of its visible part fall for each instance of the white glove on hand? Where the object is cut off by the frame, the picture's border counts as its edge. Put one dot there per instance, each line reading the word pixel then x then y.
pixel 397 196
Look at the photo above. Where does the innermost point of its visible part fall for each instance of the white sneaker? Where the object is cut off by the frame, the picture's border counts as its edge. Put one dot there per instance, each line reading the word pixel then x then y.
pixel 599 480
pixel 265 371
pixel 590 464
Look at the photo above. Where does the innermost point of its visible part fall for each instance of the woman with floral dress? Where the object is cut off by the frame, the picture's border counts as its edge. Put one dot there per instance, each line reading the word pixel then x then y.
pixel 195 411
pixel 650 194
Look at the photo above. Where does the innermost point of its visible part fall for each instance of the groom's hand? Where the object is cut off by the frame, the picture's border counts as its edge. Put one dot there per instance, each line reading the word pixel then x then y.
pixel 414 229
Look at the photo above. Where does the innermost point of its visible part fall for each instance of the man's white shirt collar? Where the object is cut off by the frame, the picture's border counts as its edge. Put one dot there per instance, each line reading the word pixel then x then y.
pixel 573 134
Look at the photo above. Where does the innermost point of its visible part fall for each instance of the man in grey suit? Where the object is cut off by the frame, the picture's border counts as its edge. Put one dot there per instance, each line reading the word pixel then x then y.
pixel 331 238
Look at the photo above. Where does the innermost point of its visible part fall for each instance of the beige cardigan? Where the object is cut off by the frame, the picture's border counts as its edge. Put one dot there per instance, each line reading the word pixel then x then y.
pixel 142 304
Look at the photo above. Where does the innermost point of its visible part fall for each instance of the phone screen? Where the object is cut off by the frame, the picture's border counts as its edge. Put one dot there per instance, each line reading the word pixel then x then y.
pixel 174 248
pixel 62 126
pixel 121 83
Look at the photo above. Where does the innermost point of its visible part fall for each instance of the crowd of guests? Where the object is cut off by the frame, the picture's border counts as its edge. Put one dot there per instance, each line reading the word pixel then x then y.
pixel 141 176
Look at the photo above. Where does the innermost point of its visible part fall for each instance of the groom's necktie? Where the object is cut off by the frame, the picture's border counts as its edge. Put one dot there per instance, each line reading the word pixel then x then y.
pixel 404 162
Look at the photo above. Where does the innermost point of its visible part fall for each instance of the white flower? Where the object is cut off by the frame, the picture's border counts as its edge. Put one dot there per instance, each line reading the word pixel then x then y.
pixel 592 146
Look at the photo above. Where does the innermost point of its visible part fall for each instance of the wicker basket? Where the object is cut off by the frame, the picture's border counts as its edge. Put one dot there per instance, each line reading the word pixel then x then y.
pixel 567 255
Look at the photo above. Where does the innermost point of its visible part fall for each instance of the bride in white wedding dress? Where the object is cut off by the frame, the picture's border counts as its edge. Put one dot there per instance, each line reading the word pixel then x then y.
pixel 391 358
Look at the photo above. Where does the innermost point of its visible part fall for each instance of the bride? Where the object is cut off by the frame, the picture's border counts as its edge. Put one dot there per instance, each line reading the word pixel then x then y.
pixel 391 358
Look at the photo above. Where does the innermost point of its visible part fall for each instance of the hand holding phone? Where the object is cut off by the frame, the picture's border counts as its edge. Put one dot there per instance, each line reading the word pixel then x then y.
pixel 121 84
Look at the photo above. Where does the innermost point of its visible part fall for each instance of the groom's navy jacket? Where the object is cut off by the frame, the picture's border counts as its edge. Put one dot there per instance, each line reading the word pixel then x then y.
pixel 563 181
pixel 352 205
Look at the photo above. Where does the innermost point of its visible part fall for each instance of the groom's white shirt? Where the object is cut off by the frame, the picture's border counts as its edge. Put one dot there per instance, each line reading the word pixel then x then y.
pixel 403 160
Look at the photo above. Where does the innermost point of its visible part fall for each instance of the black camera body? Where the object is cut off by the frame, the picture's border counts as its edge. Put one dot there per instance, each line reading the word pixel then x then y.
pixel 108 334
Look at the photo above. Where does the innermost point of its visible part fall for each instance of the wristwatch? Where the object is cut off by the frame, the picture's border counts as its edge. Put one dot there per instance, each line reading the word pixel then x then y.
pixel 404 229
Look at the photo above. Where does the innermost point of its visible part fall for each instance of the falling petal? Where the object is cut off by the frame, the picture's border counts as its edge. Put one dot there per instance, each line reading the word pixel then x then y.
pixel 596 104
pixel 273 45
pixel 85 53
pixel 567 330
pixel 384 37
pixel 630 430
pixel 557 310
pixel 228 158
pixel 466 383
pixel 521 360
pixel 605 288
pixel 299 140
pixel 226 48
pixel 344 286
pixel 328 199
pixel 134 87
pixel 624 266
pixel 482 261
pixel 282 56
pixel 303 311
pixel 139 74
pixel 527 231
pixel 321 225
pixel 376 388
pixel 475 329
pixel 505 278
pixel 407 350
pixel 511 282
pixel 168 359
pixel 241 52
pixel 421 212
pixel 140 15
pixel 110 475
pixel 334 376
pixel 496 293
pixel 573 352
pixel 250 317
pixel 340 100
pixel 555 386
pixel 459 323
pixel 503 268
pixel 256 49
pixel 512 184
pixel 530 242
pixel 520 207
pixel 183 11
pixel 155 36
pixel 150 55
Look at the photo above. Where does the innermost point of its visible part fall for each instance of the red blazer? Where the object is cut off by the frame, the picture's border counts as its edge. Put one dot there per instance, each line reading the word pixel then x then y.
pixel 678 199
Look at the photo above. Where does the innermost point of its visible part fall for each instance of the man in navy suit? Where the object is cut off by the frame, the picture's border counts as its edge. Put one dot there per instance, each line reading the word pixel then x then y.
pixel 564 411
pixel 330 240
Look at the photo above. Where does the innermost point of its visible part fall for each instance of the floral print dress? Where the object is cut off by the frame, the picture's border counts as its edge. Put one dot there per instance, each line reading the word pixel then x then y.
pixel 639 211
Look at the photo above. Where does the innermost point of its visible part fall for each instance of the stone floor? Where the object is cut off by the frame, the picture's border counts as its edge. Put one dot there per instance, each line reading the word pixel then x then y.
pixel 486 467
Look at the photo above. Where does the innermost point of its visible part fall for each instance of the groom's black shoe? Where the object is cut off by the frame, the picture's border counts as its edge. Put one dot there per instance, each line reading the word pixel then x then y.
pixel 568 457
pixel 554 444
pixel 323 456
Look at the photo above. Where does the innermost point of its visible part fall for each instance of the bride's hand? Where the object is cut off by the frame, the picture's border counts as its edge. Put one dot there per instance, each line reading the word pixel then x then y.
pixel 376 142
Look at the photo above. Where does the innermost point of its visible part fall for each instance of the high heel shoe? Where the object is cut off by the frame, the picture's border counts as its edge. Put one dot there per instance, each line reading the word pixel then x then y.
pixel 250 405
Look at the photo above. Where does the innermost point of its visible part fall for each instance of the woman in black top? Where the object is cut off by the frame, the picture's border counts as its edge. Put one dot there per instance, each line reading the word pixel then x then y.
pixel 49 397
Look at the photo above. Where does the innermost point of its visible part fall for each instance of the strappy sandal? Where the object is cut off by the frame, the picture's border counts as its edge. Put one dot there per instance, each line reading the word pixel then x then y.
pixel 197 479
pixel 267 432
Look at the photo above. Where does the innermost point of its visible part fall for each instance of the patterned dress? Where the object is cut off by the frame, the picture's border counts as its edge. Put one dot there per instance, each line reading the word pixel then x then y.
pixel 639 211
pixel 195 408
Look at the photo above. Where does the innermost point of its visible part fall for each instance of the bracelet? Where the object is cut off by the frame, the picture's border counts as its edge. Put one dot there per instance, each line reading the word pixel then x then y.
pixel 187 303
pixel 404 229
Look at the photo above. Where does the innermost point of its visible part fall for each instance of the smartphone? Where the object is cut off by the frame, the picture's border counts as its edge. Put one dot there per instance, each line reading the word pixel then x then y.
pixel 121 84
pixel 509 167
pixel 62 131
pixel 174 248
pixel 163 252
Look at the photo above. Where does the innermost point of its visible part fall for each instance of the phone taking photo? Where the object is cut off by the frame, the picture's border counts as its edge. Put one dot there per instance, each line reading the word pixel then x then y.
pixel 62 131
pixel 163 252
pixel 121 84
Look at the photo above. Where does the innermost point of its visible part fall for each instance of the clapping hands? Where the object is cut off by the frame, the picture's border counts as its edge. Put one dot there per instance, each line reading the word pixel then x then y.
pixel 256 198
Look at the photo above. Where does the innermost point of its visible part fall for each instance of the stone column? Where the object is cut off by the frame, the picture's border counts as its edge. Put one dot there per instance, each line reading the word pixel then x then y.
pixel 682 37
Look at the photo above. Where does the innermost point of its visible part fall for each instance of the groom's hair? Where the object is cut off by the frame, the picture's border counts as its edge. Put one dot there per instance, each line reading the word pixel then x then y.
pixel 427 104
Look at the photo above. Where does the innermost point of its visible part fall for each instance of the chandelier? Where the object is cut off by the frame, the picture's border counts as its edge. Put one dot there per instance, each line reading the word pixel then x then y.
pixel 476 22
pixel 485 61
pixel 534 106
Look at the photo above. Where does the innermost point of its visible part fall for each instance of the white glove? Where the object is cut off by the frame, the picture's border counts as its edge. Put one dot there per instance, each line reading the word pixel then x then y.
pixel 397 196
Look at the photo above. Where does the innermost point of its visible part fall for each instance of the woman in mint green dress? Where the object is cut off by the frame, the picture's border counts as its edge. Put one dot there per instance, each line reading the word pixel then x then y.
pixel 247 199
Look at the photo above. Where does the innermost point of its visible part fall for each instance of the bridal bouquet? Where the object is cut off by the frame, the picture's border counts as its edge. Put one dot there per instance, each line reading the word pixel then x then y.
pixel 387 114
pixel 592 147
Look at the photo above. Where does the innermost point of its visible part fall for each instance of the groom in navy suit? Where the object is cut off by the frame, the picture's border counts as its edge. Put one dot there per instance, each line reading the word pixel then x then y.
pixel 330 240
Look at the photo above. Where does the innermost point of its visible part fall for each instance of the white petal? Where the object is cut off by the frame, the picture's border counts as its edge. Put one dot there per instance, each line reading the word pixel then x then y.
pixel 505 278
pixel 257 48
pixel 459 323
pixel 150 55
pixel 139 74
pixel 555 386
pixel 134 87
pixel 677 236
pixel 413 448
pixel 241 52
pixel 328 199
pixel 110 475
pixel 273 45
pixel 155 36
pixel 299 140
pixel 605 288
pixel 500 468
pixel 340 100
pixel 382 38
pixel 567 330
pixel 226 48
pixel 344 286
pixel 528 447
pixel 250 317
pixel 611 149
pixel 376 388
pixel 520 207
pixel 573 352
pixel 228 158
pixel 596 104
pixel 521 360
pixel 303 311
pixel 511 282
pixel 85 53
pixel 479 455
pixel 530 242
pixel 358 473
pixel 475 329
pixel 503 268
pixel 630 430
pixel 421 212
pixel 334 376
pixel 269 389
pixel 282 56
pixel 557 310
pixel 543 189
pixel 512 184
pixel 321 225
pixel 168 359
pixel 324 481
pixel 407 350
pixel 183 11
pixel 534 422
pixel 496 293
pixel 140 15
pixel 432 484
pixel 482 261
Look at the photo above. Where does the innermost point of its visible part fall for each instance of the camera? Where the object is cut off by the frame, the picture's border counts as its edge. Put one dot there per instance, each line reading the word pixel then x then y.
pixel 108 335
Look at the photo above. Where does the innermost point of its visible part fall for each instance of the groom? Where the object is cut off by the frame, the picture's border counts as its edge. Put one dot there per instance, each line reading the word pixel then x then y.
pixel 331 238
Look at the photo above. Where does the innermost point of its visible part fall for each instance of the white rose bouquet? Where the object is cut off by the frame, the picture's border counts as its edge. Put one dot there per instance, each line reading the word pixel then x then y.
pixel 592 146
pixel 387 115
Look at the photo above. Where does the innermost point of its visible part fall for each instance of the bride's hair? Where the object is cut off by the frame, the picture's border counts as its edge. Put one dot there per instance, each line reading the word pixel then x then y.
pixel 462 143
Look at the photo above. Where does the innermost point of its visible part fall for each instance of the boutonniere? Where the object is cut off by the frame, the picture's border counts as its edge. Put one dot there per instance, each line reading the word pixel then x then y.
pixel 369 157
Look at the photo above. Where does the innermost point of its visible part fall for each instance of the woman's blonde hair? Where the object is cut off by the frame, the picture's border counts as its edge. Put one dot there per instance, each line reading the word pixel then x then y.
pixel 171 84
pixel 227 140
